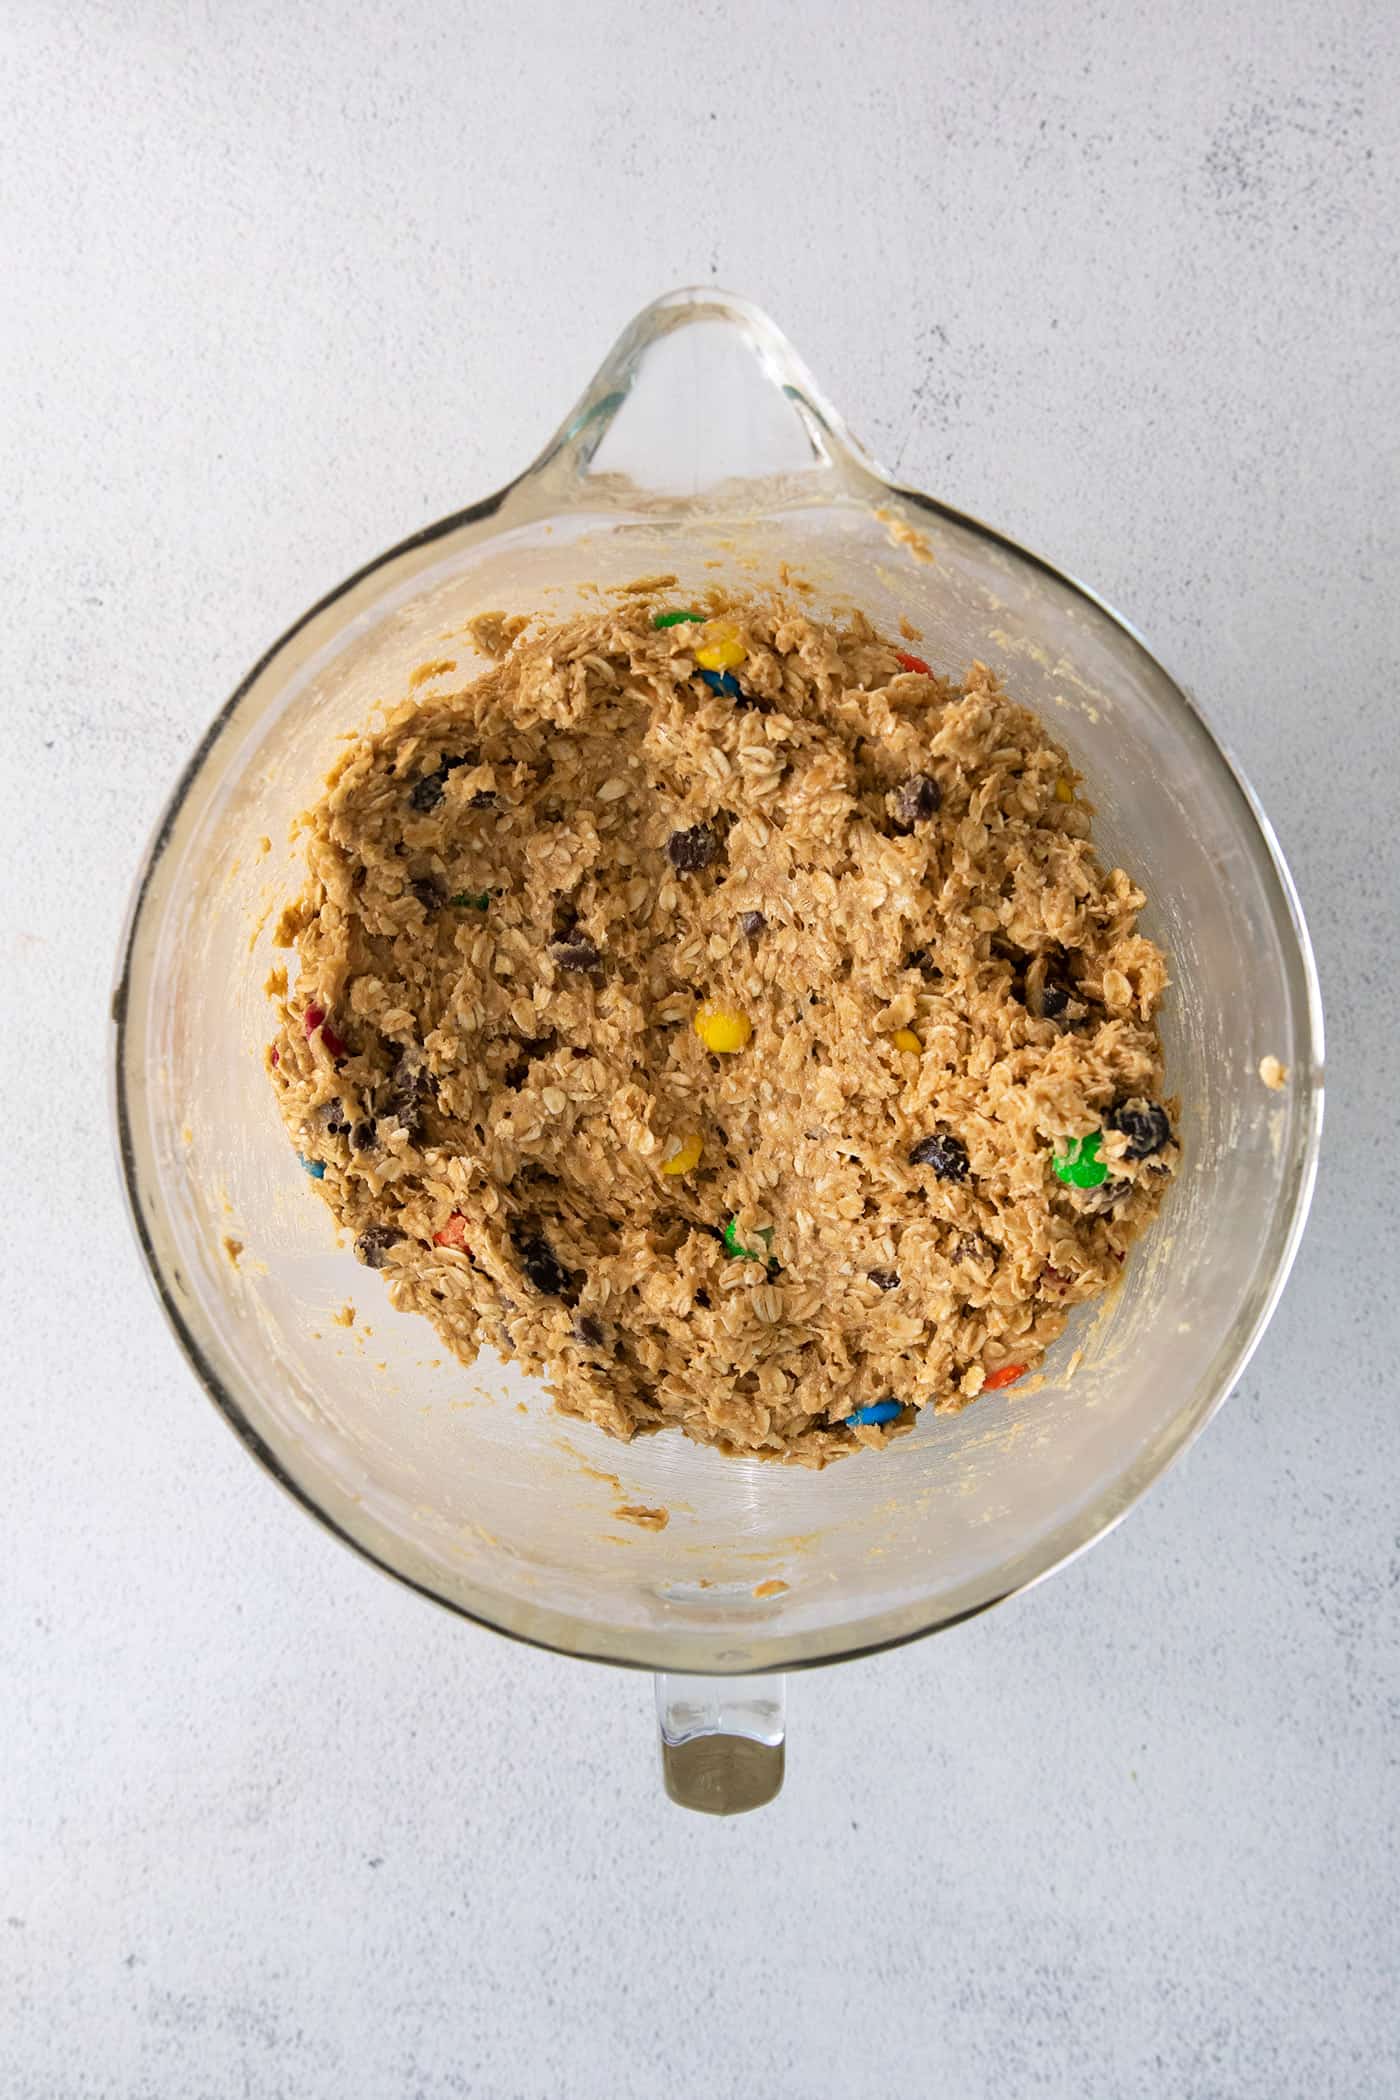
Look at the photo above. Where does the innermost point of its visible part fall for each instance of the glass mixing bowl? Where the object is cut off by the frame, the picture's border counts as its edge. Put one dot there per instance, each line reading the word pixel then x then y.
pixel 703 448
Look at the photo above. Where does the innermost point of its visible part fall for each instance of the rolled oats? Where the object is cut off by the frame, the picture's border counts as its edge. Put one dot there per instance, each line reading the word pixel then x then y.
pixel 520 892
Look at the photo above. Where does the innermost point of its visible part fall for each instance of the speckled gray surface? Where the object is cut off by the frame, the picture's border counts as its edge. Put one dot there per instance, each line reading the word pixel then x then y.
pixel 1122 279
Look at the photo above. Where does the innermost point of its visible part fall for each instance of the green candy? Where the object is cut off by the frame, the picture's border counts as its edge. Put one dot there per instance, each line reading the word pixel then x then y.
pixel 467 900
pixel 731 1242
pixel 673 619
pixel 1079 1165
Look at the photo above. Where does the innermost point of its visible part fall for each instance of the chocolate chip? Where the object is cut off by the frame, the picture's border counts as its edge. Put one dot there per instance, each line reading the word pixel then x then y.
pixel 484 798
pixel 917 799
pixel 1044 982
pixel 426 793
pixel 405 1093
pixel 690 851
pixel 946 1155
pixel 1105 1196
pixel 752 923
pixel 1144 1125
pixel 579 954
pixel 332 1118
pixel 702 1299
pixel 587 1331
pixel 544 1269
pixel 372 1247
pixel 362 1136
pixel 430 892
pixel 885 1279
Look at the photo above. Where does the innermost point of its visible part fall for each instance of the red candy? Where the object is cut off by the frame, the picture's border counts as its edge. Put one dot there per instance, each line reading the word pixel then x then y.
pixel 276 1055
pixel 314 1018
pixel 1007 1375
pixel 910 663
pixel 453 1234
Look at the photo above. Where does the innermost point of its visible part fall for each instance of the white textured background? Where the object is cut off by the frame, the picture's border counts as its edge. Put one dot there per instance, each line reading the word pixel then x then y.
pixel 279 285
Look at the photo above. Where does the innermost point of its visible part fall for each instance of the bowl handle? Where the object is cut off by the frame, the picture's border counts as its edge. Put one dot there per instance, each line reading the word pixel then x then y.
pixel 723 1741
pixel 700 396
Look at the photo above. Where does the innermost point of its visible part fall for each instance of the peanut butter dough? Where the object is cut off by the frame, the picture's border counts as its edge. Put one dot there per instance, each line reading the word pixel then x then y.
pixel 521 895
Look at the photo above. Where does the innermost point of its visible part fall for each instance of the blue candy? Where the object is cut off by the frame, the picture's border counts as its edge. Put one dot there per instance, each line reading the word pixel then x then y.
pixel 878 1411
pixel 721 682
pixel 316 1168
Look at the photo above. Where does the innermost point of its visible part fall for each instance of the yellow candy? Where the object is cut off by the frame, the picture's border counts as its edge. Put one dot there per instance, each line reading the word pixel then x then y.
pixel 682 1154
pixel 905 1039
pixel 1064 791
pixel 722 1028
pixel 724 650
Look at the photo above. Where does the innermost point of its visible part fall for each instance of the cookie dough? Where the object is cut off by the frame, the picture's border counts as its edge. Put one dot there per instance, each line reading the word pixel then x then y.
pixel 726 1018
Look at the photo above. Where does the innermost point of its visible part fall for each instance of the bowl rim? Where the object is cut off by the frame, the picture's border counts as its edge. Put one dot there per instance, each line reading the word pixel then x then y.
pixel 1062 1544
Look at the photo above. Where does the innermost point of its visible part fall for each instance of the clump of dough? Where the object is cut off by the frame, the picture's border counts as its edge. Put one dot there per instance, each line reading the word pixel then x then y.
pixel 508 927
